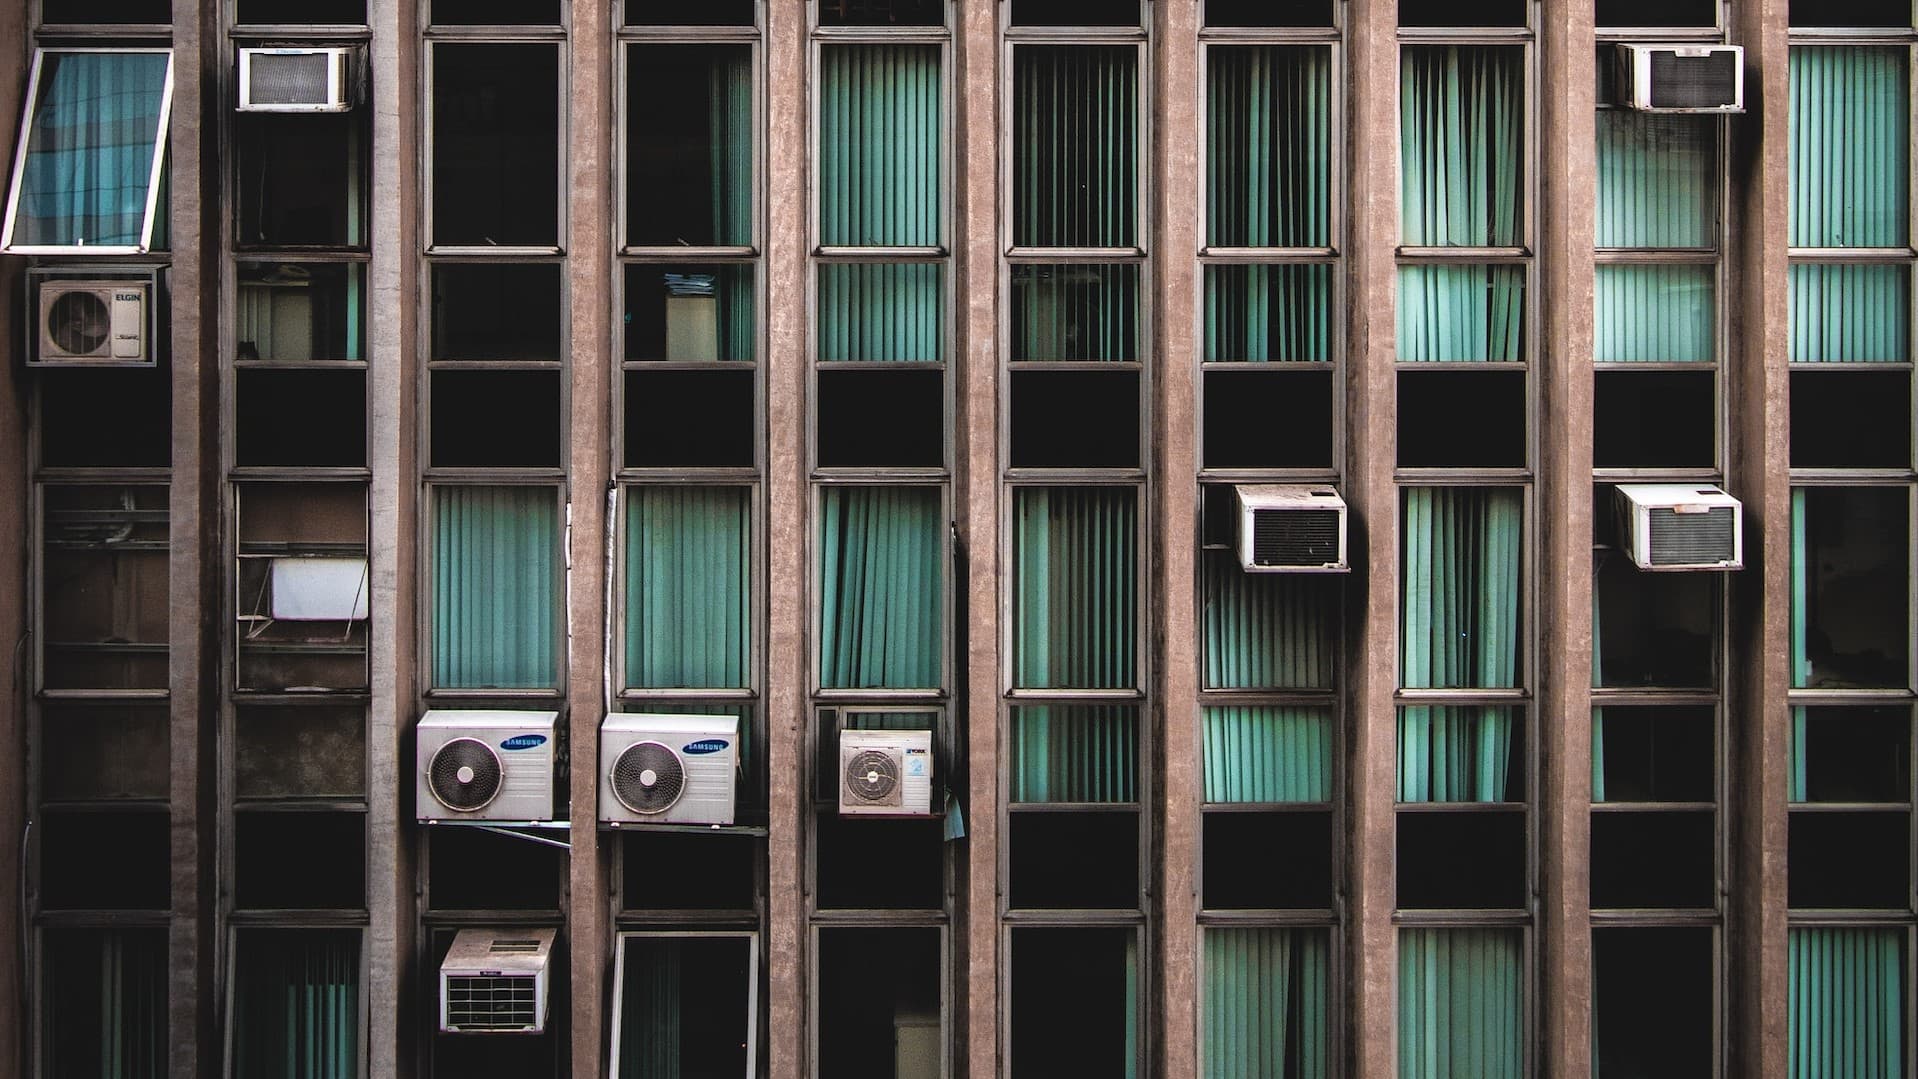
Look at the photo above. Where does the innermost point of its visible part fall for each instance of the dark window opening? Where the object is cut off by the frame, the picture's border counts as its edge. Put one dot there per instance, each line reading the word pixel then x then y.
pixel 850 874
pixel 299 752
pixel 1456 419
pixel 1268 861
pixel 1452 13
pixel 1861 13
pixel 1075 1002
pixel 296 12
pixel 104 861
pixel 95 753
pixel 885 418
pixel 1632 13
pixel 470 869
pixel 1653 1005
pixel 1075 419
pixel 105 419
pixel 301 178
pixel 1851 754
pixel 496 311
pixel 1268 419
pixel 300 312
pixel 1850 419
pixel 882 13
pixel 678 419
pixel 706 13
pixel 304 860
pixel 1075 12
pixel 1654 419
pixel 106 12
pixel 1849 859
pixel 689 168
pixel 306 418
pixel 689 312
pixel 1461 859
pixel 496 12
pixel 495 141
pixel 103 997
pixel 1646 860
pixel 1268 13
pixel 683 871
pixel 496 418
pixel 1075 860
pixel 879 1003
pixel 105 587
pixel 1653 629
pixel 1851 555
pixel 1661 754
pixel 683 1006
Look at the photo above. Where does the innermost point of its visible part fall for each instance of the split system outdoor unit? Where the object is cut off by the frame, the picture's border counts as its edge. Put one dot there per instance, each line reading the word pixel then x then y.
pixel 92 321
pixel 300 79
pixel 1681 78
pixel 1291 528
pixel 1680 526
pixel 885 773
pixel 667 769
pixel 485 765
pixel 493 981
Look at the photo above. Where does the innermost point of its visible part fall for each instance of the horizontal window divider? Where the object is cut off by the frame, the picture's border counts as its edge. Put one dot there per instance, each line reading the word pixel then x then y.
pixel 1263 365
pixel 880 35
pixel 296 918
pixel 507 34
pixel 1265 698
pixel 1646 256
pixel 1044 255
pixel 1416 695
pixel 1272 917
pixel 457 917
pixel 1508 256
pixel 1266 807
pixel 1849 807
pixel 1626 698
pixel 1027 695
pixel 1074 917
pixel 1702 35
pixel 332 254
pixel 495 477
pixel 300 365
pixel 327 32
pixel 93 32
pixel 1653 365
pixel 1851 366
pixel 1850 477
pixel 1651 475
pixel 880 365
pixel 1072 807
pixel 1460 807
pixel 1456 366
pixel 1462 477
pixel 859 254
pixel 1074 477
pixel 828 698
pixel 748 830
pixel 1815 698
pixel 1816 255
pixel 279 548
pixel 456 364
pixel 704 919
pixel 1262 256
pixel 1650 807
pixel 446 693
pixel 1275 475
pixel 688 35
pixel 866 476
pixel 1074 35
pixel 300 805
pixel 669 476
pixel 688 365
pixel 103 696
pixel 111 648
pixel 1842 916
pixel 116 805
pixel 503 254
pixel 1269 35
pixel 1622 917
pixel 1464 35
pixel 98 476
pixel 103 919
pixel 277 474
pixel 837 918
pixel 1853 35
pixel 1464 918
pixel 680 693
pixel 650 254
pixel 1075 365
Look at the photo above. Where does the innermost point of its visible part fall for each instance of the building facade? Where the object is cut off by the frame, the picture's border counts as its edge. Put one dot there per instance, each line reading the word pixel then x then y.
pixel 825 372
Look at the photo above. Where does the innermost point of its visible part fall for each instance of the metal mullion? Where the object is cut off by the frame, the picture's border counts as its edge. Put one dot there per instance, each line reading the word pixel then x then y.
pixel 553 478
pixel 1031 476
pixel 1408 255
pixel 1639 698
pixel 1268 256
pixel 1466 35
pixel 499 34
pixel 644 254
pixel 1265 808
pixel 1653 917
pixel 1269 35
pixel 1074 918
pixel 1649 256
pixel 1075 35
pixel 1654 807
pixel 1048 256
pixel 102 476
pixel 329 33
pixel 1075 365
pixel 1859 35
pixel 1465 918
pixel 101 918
pixel 887 918
pixel 842 254
pixel 1273 698
pixel 1849 807
pixel 728 694
pixel 1447 808
pixel 1827 698
pixel 686 35
pixel 1849 255
pixel 298 917
pixel 627 918
pixel 1273 917
pixel 878 35
pixel 1451 476
pixel 1699 35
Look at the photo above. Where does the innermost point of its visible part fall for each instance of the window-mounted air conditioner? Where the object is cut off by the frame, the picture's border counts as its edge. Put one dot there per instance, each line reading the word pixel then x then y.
pixel 485 765
pixel 92 322
pixel 885 773
pixel 306 79
pixel 493 981
pixel 1681 78
pixel 1680 526
pixel 1291 528
pixel 658 769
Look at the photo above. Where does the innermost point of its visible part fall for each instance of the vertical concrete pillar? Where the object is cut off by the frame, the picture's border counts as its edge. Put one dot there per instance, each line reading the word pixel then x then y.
pixel 15 560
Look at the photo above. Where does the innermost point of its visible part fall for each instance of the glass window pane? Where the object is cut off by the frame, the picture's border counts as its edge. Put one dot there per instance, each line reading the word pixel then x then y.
pixel 1657 182
pixel 1075 131
pixel 296 1002
pixel 1452 13
pixel 689 312
pixel 881 588
pixel 1461 603
pixel 689 164
pixel 707 13
pixel 1267 994
pixel 1849 13
pixel 298 312
pixel 1653 1012
pixel 880 988
pixel 1075 12
pixel 496 12
pixel 1462 145
pixel 1075 574
pixel 1461 753
pixel 1075 753
pixel 1850 313
pixel 1653 629
pixel 1268 630
pixel 1655 314
pixel 1851 577
pixel 104 587
pixel 1461 312
pixel 1268 753
pixel 1850 145
pixel 688 587
pixel 1269 146
pixel 1268 13
pixel 333 12
pixel 1848 1010
pixel 106 12
pixel 880 144
pixel 89 164
pixel 1268 313
pixel 1075 312
pixel 495 145
pixel 1079 981
pixel 1461 1002
pixel 882 13
pixel 882 311
pixel 493 601
pixel 103 995
pixel 301 178
pixel 684 1005
pixel 1856 754
pixel 1653 754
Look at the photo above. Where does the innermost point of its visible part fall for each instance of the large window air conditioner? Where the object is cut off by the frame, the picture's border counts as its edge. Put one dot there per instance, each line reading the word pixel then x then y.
pixel 306 79
pixel 1680 526
pixel 1291 528
pixel 1681 78
pixel 493 981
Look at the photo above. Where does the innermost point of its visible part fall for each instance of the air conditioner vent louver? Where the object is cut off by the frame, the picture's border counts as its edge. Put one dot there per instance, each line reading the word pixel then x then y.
pixel 298 78
pixel 475 1002
pixel 872 778
pixel 1690 538
pixel 1678 526
pixel 493 981
pixel 465 774
pixel 290 80
pixel 1290 528
pixel 1297 538
pixel 1693 82
pixel 648 777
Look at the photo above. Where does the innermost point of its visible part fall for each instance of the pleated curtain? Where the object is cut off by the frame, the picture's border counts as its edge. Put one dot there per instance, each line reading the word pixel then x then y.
pixel 1267 630
pixel 1654 314
pixel 730 144
pixel 1847 1002
pixel 1075 146
pixel 1268 753
pixel 1265 1004
pixel 105 1007
pixel 97 126
pixel 881 311
pixel 688 587
pixel 1461 312
pixel 650 1022
pixel 881 588
pixel 296 1002
pixel 1800 573
pixel 1075 753
pixel 1656 180
pixel 1075 568
pixel 494 580
pixel 1268 314
pixel 1460 1011
pixel 1268 146
pixel 1075 312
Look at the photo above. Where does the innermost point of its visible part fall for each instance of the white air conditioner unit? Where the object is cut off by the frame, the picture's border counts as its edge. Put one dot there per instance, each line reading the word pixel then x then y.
pixel 658 769
pixel 1682 78
pixel 485 765
pixel 1680 526
pixel 1291 528
pixel 885 773
pixel 493 981
pixel 92 323
pixel 306 79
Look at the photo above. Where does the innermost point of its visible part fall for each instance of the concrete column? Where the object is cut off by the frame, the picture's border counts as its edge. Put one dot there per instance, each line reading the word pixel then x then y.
pixel 1562 366
pixel 1372 629
pixel 15 560
pixel 1173 368
pixel 1758 413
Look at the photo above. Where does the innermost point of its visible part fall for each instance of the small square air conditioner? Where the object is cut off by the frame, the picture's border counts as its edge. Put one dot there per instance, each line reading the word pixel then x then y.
pixel 1681 78
pixel 485 765
pixel 92 323
pixel 659 769
pixel 493 981
pixel 1680 526
pixel 307 79
pixel 885 773
pixel 1291 528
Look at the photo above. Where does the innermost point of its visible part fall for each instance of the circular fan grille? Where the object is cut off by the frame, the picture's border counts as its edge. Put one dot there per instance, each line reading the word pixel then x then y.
pixel 648 777
pixel 871 775
pixel 464 774
pixel 77 321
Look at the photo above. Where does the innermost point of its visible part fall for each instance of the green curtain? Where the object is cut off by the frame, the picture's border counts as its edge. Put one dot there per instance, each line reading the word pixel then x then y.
pixel 1460 574
pixel 688 587
pixel 1456 753
pixel 1797 772
pixel 882 311
pixel 1462 145
pixel 1075 137
pixel 1850 145
pixel 1268 753
pixel 730 144
pixel 1267 630
pixel 1467 312
pixel 1657 180
pixel 1654 314
pixel 494 575
pixel 649 1044
pixel 99 123
pixel 104 1009
pixel 296 1004
pixel 880 144
pixel 1075 753
pixel 1800 594
pixel 1268 314
pixel 1460 1004
pixel 1266 1002
pixel 1850 313
pixel 881 588
pixel 1268 146
pixel 1847 1010
pixel 1082 311
pixel 1075 570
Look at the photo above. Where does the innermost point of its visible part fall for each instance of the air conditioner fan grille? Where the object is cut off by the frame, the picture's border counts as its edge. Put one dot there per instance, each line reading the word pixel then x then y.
pixel 872 777
pixel 465 774
pixel 490 1002
pixel 648 777
pixel 78 322
pixel 1682 539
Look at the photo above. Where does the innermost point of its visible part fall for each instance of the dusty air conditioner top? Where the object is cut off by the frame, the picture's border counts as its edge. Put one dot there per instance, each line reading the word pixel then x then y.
pixel 501 952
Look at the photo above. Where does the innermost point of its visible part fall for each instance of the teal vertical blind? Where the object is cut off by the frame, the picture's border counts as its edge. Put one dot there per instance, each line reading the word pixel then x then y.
pixel 1598 755
pixel 730 144
pixel 879 145
pixel 1268 753
pixel 1456 753
pixel 1847 1010
pixel 1657 180
pixel 296 1004
pixel 1659 313
pixel 1268 314
pixel 1850 146
pixel 1268 146
pixel 1460 1003
pixel 1081 311
pixel 1797 772
pixel 1075 753
pixel 1474 311
pixel 688 587
pixel 1266 1000
pixel 1460 573
pixel 93 154
pixel 104 1008
pixel 1075 139
pixel 881 588
pixel 882 311
pixel 649 1046
pixel 494 580
pixel 1267 630
pixel 1075 571
pixel 1462 145
pixel 1800 593
pixel 1850 312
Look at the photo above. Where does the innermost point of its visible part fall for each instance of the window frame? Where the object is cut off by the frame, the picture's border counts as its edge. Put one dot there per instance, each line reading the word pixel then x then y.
pixel 238 928
pixel 559 493
pixel 436 35
pixel 616 1016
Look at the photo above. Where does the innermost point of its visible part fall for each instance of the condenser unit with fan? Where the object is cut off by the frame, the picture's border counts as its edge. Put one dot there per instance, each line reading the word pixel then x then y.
pixel 885 773
pixel 1681 78
pixel 305 79
pixel 493 981
pixel 660 769
pixel 485 765
pixel 92 323
pixel 1680 526
pixel 1290 528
